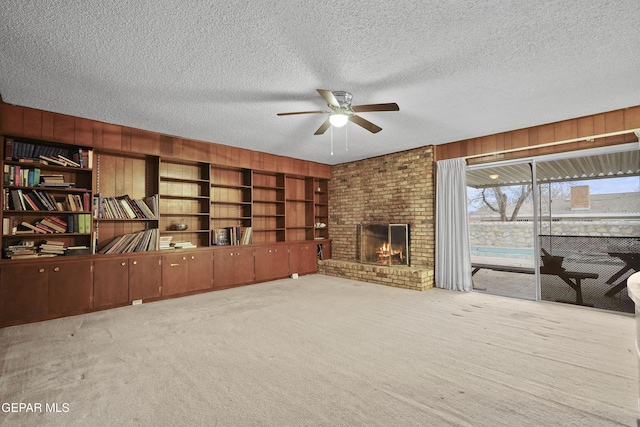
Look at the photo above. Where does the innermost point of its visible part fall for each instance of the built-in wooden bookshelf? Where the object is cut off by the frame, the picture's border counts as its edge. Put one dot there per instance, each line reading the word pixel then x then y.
pixel 299 210
pixel 231 198
pixel 269 207
pixel 47 194
pixel 185 201
pixel 321 208
pixel 123 176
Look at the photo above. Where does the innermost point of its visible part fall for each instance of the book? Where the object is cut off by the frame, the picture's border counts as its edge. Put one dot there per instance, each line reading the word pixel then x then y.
pixel 221 237
pixel 32 227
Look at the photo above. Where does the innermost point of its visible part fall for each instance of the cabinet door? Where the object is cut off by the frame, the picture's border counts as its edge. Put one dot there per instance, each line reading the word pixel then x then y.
pixel 326 250
pixel 200 271
pixel 303 258
pixel 233 266
pixel 70 286
pixel 272 263
pixel 24 292
pixel 110 282
pixel 244 267
pixel 174 274
pixel 145 277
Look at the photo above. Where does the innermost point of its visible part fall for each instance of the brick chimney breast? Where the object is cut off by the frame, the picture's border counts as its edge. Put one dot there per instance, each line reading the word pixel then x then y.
pixel 580 200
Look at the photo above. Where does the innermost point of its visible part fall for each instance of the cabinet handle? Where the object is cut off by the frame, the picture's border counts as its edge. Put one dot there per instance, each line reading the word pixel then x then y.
pixel 41 270
pixel 123 263
pixel 174 265
pixel 56 269
pixel 184 258
pixel 269 250
pixel 193 257
pixel 231 254
pixel 135 262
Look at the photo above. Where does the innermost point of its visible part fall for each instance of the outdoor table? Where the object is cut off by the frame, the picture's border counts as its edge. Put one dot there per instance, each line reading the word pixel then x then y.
pixel 631 262
pixel 571 278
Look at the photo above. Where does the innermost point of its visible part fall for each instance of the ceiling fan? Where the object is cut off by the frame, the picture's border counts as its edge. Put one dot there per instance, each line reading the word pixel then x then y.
pixel 341 111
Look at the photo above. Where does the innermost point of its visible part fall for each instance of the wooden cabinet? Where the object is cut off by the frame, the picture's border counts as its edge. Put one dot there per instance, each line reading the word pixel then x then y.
pixel 110 281
pixel 145 277
pixel 233 266
pixel 200 270
pixel 70 286
pixel 175 272
pixel 24 292
pixel 186 271
pixel 272 262
pixel 303 257
pixel 206 187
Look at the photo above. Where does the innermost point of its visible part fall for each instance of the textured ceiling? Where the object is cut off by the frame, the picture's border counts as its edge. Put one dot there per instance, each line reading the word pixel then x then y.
pixel 220 71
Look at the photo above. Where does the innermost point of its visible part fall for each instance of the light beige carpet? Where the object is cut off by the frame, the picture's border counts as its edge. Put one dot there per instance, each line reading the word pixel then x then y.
pixel 322 351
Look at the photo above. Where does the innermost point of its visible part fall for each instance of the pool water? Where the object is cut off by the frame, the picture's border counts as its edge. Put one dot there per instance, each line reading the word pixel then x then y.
pixel 495 252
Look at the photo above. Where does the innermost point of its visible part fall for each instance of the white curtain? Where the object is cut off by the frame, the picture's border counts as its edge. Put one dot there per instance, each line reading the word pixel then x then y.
pixel 453 261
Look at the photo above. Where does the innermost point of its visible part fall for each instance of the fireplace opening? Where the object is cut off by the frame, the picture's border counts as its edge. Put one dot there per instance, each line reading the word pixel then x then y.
pixel 384 244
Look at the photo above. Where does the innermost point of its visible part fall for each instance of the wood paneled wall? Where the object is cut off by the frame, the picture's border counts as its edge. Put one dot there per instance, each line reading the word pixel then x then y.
pixel 37 124
pixel 614 121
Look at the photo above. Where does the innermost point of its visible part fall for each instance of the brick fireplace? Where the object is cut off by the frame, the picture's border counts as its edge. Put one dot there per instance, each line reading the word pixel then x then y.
pixel 392 189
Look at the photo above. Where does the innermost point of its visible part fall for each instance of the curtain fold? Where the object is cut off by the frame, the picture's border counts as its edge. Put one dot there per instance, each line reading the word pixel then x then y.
pixel 453 260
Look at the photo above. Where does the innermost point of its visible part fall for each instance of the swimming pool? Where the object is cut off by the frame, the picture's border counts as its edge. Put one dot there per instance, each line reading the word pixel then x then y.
pixel 496 252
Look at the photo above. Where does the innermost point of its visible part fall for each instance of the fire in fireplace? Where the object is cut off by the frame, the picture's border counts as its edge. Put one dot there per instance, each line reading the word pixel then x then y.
pixel 386 244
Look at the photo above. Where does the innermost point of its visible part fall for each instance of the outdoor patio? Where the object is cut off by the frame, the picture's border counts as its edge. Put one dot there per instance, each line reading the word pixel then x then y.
pixel 518 285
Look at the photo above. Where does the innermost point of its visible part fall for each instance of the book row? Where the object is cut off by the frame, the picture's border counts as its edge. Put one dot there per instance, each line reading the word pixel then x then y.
pixel 75 223
pixel 124 207
pixel 142 241
pixel 36 153
pixel 16 175
pixel 232 236
pixel 37 200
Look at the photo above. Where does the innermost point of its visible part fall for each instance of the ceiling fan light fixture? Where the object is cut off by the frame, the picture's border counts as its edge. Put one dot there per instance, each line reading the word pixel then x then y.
pixel 338 119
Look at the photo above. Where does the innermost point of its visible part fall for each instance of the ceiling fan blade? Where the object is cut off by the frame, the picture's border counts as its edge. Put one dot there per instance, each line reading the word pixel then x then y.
pixel 365 124
pixel 329 97
pixel 301 112
pixel 323 128
pixel 376 107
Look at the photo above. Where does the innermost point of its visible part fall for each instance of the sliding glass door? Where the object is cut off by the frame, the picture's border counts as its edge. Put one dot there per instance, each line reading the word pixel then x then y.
pixel 562 228
pixel 501 229
pixel 589 229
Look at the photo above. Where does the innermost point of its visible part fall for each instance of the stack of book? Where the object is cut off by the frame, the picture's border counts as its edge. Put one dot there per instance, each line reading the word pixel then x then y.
pixel 23 249
pixel 183 245
pixel 77 250
pixel 53 247
pixel 56 180
pixel 165 242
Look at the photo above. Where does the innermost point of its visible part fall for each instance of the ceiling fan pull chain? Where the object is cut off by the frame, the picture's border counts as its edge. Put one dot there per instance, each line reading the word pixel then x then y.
pixel 346 138
pixel 332 140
